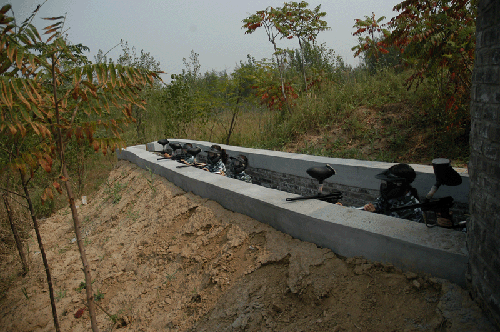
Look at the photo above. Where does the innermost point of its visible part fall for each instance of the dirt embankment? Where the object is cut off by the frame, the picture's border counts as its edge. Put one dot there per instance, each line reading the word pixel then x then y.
pixel 166 260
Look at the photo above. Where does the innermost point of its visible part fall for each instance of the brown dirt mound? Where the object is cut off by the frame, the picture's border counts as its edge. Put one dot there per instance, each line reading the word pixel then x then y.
pixel 166 260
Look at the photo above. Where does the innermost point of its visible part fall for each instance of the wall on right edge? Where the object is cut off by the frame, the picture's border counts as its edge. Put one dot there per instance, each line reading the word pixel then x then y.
pixel 483 233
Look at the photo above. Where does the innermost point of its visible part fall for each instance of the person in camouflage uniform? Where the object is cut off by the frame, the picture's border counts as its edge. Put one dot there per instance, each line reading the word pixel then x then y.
pixel 396 191
pixel 236 168
pixel 188 159
pixel 215 160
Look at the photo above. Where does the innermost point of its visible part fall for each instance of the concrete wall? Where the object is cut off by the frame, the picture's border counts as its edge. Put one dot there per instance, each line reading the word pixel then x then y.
pixel 347 231
pixel 355 178
pixel 484 228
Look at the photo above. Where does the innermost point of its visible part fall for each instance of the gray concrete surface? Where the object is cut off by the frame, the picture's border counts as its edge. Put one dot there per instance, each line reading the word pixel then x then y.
pixel 346 231
pixel 349 172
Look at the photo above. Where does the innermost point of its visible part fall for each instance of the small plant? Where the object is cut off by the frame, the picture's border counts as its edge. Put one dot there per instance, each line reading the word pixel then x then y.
pixel 25 293
pixel 87 241
pixel 170 277
pixel 151 180
pixel 114 192
pixel 98 296
pixel 60 295
pixel 134 215
pixel 63 250
pixel 113 318
pixel 82 286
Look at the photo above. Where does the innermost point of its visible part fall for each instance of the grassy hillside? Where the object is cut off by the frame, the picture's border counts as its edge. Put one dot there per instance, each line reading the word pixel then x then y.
pixel 368 116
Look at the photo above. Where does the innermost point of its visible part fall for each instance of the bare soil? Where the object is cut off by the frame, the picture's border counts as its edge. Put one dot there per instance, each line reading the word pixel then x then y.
pixel 167 260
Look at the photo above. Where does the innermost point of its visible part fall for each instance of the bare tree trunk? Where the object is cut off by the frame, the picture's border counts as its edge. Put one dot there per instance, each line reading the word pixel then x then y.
pixel 81 248
pixel 19 243
pixel 42 251
pixel 281 71
pixel 231 127
pixel 302 60
pixel 74 213
pixel 233 121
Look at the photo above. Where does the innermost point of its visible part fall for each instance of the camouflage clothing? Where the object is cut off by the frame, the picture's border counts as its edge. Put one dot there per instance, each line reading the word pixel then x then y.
pixel 382 205
pixel 240 176
pixel 218 168
pixel 189 160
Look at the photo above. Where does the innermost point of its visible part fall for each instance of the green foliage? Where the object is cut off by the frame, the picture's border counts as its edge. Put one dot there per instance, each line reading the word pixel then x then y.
pixel 25 293
pixel 436 40
pixel 114 192
pixel 151 180
pixel 81 287
pixel 371 44
pixel 33 72
pixel 61 294
pixel 98 296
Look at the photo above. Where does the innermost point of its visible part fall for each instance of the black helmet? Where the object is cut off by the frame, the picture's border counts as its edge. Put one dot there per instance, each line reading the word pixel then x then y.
pixel 399 173
pixel 238 164
pixel 193 151
pixel 214 154
pixel 397 181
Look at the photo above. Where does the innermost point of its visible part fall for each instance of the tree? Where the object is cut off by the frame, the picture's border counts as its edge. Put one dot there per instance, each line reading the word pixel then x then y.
pixel 376 53
pixel 267 19
pixel 296 20
pixel 48 95
pixel 17 238
pixel 145 61
pixel 436 39
pixel 370 45
pixel 293 20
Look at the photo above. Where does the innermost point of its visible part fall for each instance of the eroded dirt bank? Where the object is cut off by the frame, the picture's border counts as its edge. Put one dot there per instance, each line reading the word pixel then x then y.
pixel 166 260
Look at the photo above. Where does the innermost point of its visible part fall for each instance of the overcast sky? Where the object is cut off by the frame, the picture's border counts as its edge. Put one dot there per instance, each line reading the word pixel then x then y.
pixel 170 29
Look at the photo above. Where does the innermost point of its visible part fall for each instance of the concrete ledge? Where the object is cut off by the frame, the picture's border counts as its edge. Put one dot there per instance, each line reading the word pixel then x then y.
pixel 350 172
pixel 346 231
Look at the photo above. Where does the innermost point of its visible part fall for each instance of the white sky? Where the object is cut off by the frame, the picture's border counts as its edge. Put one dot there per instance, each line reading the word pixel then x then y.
pixel 170 29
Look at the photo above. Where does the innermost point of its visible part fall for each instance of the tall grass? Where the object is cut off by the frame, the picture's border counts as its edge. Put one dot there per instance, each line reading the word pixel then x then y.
pixel 371 116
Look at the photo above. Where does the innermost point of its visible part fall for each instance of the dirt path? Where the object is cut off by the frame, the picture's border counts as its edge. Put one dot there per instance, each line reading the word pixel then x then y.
pixel 166 260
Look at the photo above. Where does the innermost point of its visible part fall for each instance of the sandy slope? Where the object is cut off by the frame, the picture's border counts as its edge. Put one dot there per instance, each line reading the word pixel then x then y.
pixel 166 260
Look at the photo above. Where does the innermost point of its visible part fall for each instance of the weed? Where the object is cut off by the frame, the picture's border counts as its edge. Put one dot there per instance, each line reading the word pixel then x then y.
pixel 113 318
pixel 151 180
pixel 61 294
pixel 87 241
pixel 83 285
pixel 134 215
pixel 63 250
pixel 25 293
pixel 170 277
pixel 114 192
pixel 98 296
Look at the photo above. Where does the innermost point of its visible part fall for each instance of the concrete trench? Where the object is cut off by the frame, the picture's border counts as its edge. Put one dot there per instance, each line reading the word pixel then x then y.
pixel 346 231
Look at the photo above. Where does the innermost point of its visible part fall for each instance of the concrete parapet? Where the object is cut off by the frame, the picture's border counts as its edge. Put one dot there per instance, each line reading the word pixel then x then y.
pixel 350 173
pixel 346 231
